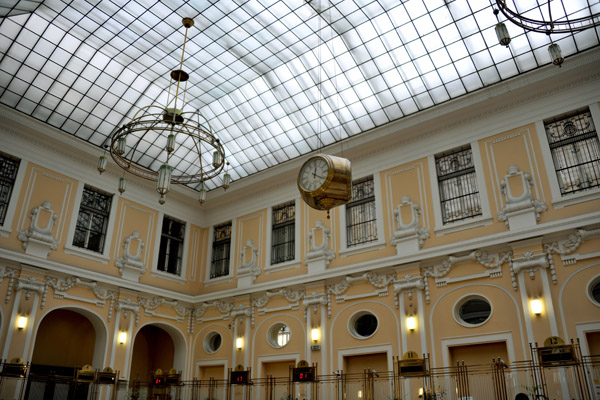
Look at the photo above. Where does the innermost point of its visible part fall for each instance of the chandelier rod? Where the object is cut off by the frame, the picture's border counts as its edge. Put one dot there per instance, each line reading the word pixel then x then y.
pixel 548 27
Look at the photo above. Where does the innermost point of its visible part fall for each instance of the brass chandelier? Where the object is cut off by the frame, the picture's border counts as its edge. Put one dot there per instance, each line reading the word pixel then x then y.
pixel 546 25
pixel 171 127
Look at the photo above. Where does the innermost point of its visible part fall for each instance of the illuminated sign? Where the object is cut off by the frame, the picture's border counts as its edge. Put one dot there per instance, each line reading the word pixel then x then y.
pixel 303 374
pixel 239 378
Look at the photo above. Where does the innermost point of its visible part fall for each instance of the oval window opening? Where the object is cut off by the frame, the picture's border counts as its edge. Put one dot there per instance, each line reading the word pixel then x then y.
pixel 363 325
pixel 475 311
pixel 212 342
pixel 279 335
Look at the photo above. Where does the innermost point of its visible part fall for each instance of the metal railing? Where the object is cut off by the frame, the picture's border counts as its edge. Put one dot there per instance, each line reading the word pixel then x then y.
pixel 495 381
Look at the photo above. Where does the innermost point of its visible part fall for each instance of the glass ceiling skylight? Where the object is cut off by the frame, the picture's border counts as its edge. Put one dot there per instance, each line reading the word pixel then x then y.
pixel 275 78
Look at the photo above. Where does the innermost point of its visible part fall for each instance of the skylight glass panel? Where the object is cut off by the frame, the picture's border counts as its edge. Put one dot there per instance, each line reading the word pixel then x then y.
pixel 281 58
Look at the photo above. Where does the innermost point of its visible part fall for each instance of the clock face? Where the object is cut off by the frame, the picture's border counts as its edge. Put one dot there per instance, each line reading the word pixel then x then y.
pixel 313 174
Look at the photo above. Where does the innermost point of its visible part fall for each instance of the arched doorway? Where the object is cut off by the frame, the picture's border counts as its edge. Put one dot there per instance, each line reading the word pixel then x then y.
pixel 157 346
pixel 70 337
pixel 66 340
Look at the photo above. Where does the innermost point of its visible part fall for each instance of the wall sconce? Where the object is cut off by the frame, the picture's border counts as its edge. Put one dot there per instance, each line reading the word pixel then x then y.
pixel 315 334
pixel 360 394
pixel 239 343
pixel 21 322
pixel 122 337
pixel 536 306
pixel 411 323
pixel 421 393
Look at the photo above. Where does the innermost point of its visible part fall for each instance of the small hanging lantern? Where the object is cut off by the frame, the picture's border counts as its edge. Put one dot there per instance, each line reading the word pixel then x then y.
pixel 226 180
pixel 555 54
pixel 164 178
pixel 102 164
pixel 170 143
pixel 121 185
pixel 202 194
pixel 502 34
pixel 162 199
pixel 121 143
pixel 217 159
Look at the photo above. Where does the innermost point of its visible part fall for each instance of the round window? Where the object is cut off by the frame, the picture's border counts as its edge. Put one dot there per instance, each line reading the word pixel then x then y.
pixel 212 342
pixel 473 310
pixel 594 290
pixel 278 335
pixel 363 325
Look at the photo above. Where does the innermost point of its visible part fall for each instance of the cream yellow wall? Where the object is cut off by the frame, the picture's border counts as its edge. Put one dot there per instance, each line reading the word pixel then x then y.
pixel 357 364
pixel 506 316
pixel 205 373
pixel 560 253
pixel 341 340
pixel 41 185
pixel 298 334
pixel 276 368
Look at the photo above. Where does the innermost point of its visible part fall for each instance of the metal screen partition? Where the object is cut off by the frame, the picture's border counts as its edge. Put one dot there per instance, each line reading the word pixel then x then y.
pixel 496 380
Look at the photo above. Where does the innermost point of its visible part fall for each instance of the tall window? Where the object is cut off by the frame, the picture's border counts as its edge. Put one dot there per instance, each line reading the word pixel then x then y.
pixel 459 195
pixel 575 151
pixel 92 221
pixel 221 246
pixel 361 220
pixel 170 252
pixel 283 233
pixel 8 174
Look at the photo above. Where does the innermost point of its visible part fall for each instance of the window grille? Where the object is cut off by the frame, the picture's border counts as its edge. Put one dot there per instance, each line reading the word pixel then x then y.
pixel 576 152
pixel 170 253
pixel 361 220
pixel 283 233
pixel 92 220
pixel 457 181
pixel 8 173
pixel 220 251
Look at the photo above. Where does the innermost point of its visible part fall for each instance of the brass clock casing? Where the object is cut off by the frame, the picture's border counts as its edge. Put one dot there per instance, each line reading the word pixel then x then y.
pixel 335 190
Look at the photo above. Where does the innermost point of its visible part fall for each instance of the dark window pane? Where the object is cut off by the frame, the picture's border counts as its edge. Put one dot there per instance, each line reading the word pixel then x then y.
pixel 365 325
pixel 457 180
pixel 576 152
pixel 361 219
pixel 475 311
pixel 596 292
pixel 283 233
pixel 170 254
pixel 92 220
pixel 220 251
pixel 8 173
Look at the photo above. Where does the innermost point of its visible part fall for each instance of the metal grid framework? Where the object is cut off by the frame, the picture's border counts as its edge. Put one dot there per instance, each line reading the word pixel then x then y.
pixel 219 265
pixel 361 219
pixel 92 220
pixel 275 78
pixel 457 180
pixel 8 173
pixel 283 233
pixel 576 151
pixel 170 253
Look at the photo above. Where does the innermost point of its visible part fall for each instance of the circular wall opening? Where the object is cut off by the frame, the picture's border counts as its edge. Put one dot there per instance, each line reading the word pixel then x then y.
pixel 279 335
pixel 363 324
pixel 212 342
pixel 472 310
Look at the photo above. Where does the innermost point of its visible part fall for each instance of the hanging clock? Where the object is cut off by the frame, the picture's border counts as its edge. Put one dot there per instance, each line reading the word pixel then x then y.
pixel 325 181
